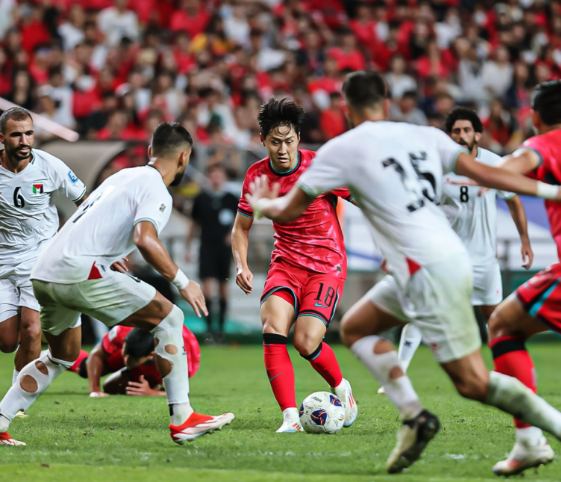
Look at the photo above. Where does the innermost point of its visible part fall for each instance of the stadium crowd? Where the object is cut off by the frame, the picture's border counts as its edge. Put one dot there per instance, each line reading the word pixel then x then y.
pixel 114 70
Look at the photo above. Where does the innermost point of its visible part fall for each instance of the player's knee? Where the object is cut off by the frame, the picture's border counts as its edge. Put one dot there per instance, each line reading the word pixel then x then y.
pixel 30 334
pixel 272 325
pixel 499 324
pixel 305 344
pixel 8 342
pixel 350 331
pixel 473 388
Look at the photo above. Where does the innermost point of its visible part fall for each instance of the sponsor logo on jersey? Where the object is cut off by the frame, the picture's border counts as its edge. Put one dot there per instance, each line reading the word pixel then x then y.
pixel 162 207
pixel 37 189
pixel 73 177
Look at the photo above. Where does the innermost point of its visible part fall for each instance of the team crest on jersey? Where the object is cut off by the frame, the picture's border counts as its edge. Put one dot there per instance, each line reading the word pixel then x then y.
pixel 37 189
pixel 73 178
pixel 162 207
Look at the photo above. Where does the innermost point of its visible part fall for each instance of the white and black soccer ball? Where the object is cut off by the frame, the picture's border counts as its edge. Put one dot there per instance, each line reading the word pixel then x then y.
pixel 322 412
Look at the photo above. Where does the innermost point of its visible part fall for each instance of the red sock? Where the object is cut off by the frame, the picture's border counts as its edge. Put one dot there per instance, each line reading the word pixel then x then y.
pixel 279 370
pixel 325 363
pixel 511 358
pixel 76 367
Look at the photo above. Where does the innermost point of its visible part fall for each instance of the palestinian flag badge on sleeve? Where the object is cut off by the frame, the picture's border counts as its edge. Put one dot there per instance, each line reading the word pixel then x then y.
pixel 37 189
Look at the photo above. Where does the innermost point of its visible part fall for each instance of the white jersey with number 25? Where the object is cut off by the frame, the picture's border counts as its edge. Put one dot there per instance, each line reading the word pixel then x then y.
pixel 375 161
pixel 101 230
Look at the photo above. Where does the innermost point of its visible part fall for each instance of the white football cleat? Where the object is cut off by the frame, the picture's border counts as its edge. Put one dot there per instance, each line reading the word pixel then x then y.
pixel 291 421
pixel 21 414
pixel 525 457
pixel 381 391
pixel 198 425
pixel 345 394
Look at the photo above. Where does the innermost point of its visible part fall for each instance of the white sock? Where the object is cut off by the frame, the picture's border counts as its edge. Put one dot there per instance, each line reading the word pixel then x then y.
pixel 529 436
pixel 399 390
pixel 172 359
pixel 512 396
pixel 410 340
pixel 36 377
pixel 15 376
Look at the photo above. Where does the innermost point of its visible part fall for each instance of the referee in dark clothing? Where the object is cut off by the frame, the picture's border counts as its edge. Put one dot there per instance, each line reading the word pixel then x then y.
pixel 213 213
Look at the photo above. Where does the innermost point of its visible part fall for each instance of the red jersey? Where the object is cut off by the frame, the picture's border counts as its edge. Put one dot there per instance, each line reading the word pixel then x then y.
pixel 112 345
pixel 315 240
pixel 548 148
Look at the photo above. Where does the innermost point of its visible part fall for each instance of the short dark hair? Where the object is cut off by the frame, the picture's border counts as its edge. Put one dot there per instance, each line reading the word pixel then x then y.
pixel 546 101
pixel 364 89
pixel 463 113
pixel 410 94
pixel 15 114
pixel 168 137
pixel 283 112
pixel 139 343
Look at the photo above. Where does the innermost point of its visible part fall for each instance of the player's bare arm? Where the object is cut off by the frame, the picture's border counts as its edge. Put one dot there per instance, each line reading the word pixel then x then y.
pixel 518 214
pixel 509 177
pixel 153 251
pixel 264 201
pixel 240 244
pixel 193 229
pixel 96 369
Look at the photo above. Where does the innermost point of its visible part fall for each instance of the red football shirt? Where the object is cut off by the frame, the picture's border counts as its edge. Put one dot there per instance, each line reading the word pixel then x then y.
pixel 112 344
pixel 315 240
pixel 548 148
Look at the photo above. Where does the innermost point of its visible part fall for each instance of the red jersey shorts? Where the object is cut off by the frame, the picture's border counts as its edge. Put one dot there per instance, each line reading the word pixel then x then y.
pixel 540 296
pixel 311 294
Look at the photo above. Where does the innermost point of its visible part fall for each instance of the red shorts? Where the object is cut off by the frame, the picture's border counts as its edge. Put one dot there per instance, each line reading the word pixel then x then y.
pixel 311 294
pixel 540 296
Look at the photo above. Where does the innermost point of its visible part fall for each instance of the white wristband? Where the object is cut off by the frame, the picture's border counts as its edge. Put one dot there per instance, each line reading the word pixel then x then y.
pixel 180 281
pixel 547 191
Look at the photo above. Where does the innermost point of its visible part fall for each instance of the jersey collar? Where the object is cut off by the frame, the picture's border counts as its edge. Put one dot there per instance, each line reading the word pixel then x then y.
pixel 286 173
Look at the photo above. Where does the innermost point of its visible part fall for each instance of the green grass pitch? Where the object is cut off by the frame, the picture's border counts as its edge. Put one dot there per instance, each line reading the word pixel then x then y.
pixel 74 438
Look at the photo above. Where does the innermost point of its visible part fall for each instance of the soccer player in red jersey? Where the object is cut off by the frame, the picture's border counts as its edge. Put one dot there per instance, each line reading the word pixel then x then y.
pixel 536 305
pixel 128 353
pixel 307 271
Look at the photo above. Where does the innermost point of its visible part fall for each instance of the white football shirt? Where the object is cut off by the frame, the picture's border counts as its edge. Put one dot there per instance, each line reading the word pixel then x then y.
pixel 27 216
pixel 374 160
pixel 474 217
pixel 101 230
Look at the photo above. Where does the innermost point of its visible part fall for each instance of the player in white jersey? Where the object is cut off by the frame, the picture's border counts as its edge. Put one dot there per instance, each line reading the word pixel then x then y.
pixel 426 258
pixel 28 219
pixel 472 213
pixel 73 276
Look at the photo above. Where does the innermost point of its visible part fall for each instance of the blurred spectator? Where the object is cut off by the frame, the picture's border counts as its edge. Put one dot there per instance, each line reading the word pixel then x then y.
pixel 213 214
pixel 398 81
pixel 332 120
pixel 117 23
pixel 22 92
pixel 406 110
pixel 497 74
pixel 50 108
pixel 72 31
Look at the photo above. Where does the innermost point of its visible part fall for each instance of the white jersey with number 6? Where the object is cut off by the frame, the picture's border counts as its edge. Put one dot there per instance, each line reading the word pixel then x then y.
pixel 375 160
pixel 27 216
pixel 474 217
pixel 101 231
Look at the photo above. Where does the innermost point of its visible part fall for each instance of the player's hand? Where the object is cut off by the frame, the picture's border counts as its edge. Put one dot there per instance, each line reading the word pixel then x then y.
pixel 120 266
pixel 384 266
pixel 482 191
pixel 260 189
pixel 527 254
pixel 142 389
pixel 244 277
pixel 194 296
pixel 98 394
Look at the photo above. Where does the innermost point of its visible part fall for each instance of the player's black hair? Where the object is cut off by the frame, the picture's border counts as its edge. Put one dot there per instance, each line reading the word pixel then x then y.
pixel 139 343
pixel 168 137
pixel 463 113
pixel 546 101
pixel 283 112
pixel 13 113
pixel 364 89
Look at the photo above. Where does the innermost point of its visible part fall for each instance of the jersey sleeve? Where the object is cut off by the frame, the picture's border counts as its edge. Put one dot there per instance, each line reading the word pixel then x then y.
pixel 344 193
pixel 66 181
pixel 244 208
pixel 448 150
pixel 154 205
pixel 113 340
pixel 327 172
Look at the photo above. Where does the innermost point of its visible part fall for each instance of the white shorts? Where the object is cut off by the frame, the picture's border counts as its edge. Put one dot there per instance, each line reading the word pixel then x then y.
pixel 487 285
pixel 437 300
pixel 110 299
pixel 15 289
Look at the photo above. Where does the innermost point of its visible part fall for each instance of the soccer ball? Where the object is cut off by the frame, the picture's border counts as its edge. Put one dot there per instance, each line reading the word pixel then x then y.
pixel 322 412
